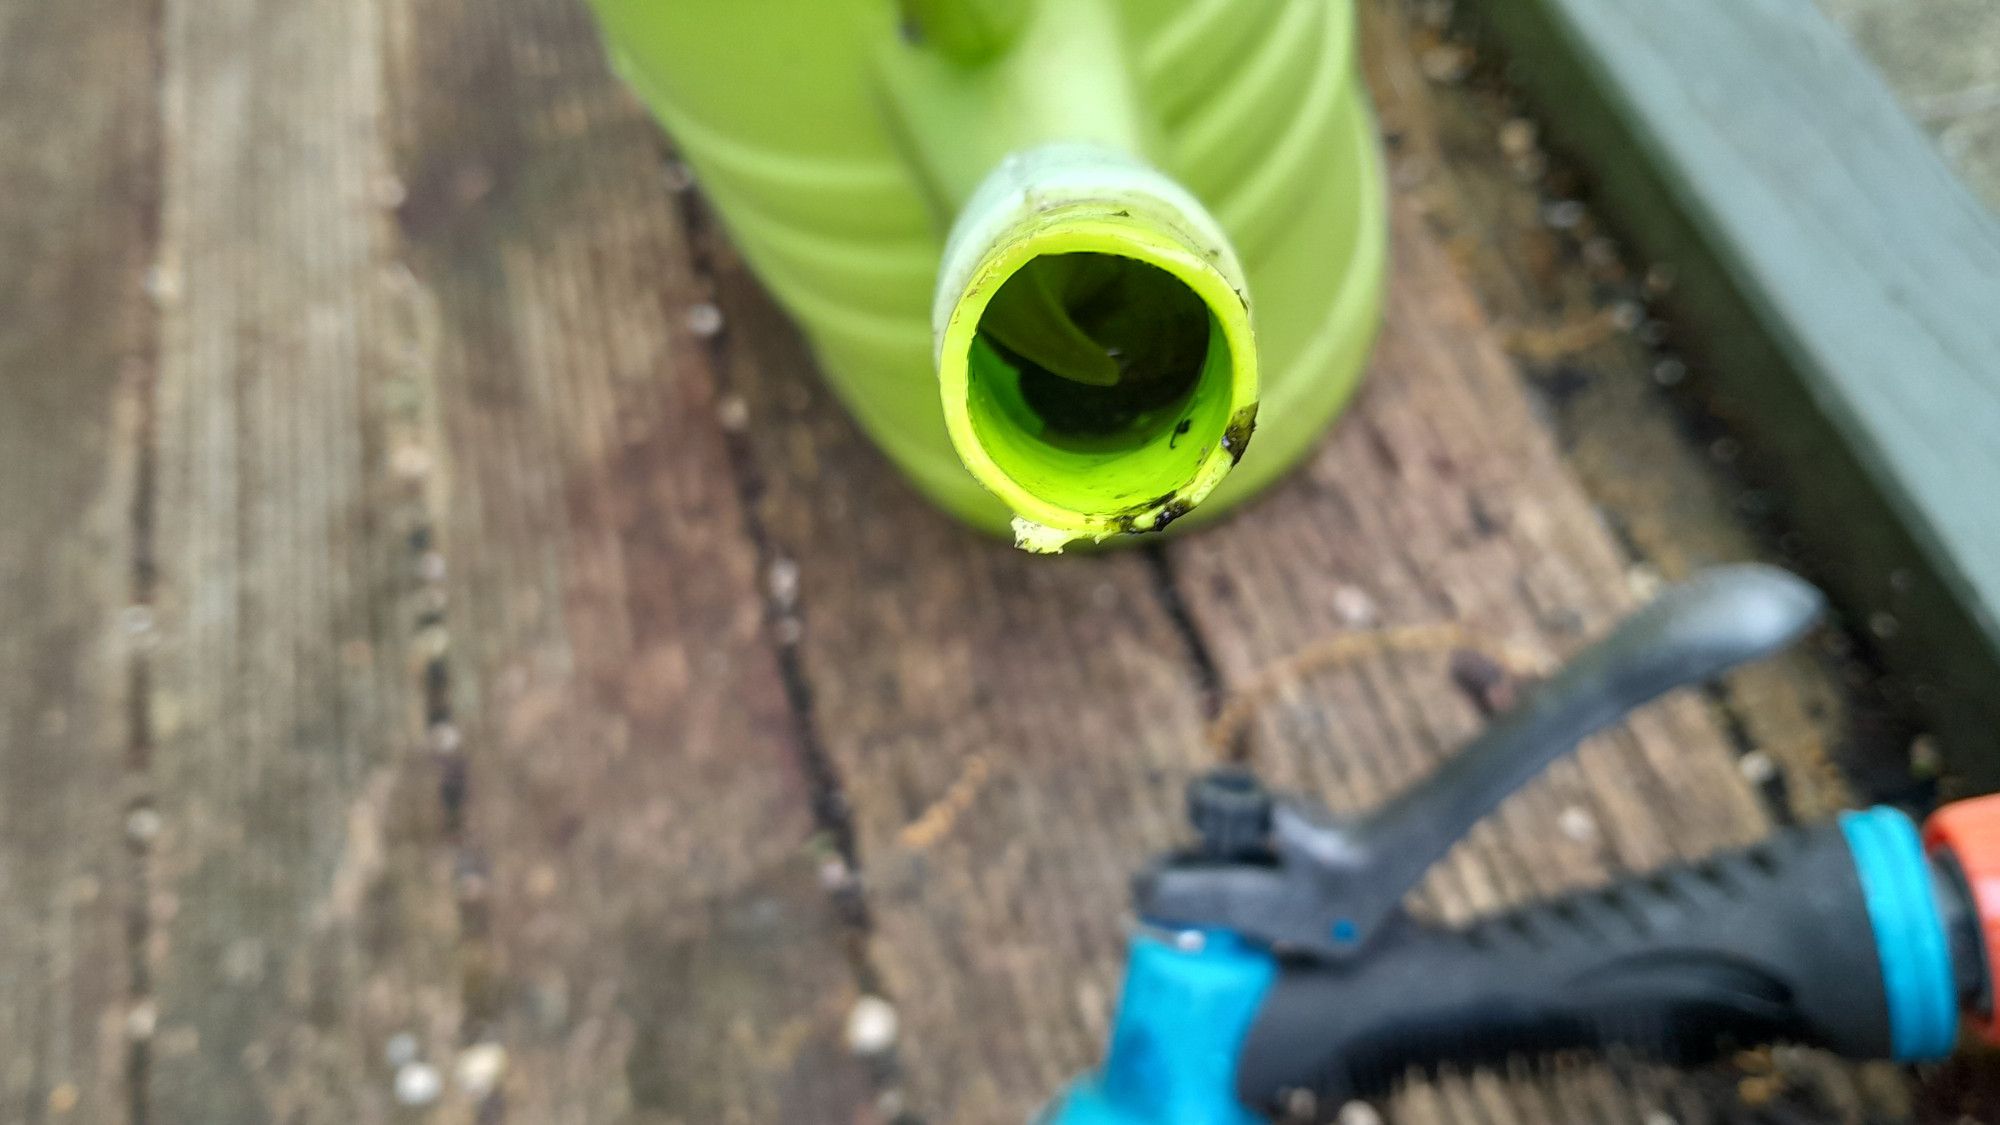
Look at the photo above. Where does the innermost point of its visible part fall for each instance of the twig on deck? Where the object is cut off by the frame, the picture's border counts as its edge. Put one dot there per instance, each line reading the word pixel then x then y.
pixel 1225 731
pixel 937 819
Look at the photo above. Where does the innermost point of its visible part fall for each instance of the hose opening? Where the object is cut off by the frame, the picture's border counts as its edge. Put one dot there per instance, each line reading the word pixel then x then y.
pixel 1108 380
pixel 1095 358
pixel 1087 376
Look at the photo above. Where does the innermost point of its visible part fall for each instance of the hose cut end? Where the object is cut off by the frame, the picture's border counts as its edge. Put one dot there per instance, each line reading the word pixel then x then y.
pixel 1095 355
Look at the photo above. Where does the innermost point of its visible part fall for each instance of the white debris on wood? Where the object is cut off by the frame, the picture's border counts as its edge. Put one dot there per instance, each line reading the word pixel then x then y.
pixel 704 320
pixel 783 582
pixel 162 284
pixel 418 1084
pixel 1517 137
pixel 446 738
pixel 1577 824
pixel 871 1026
pixel 142 824
pixel 141 1020
pixel 1354 607
pixel 1758 767
pixel 835 875
pixel 479 1069
pixel 411 461
pixel 1644 581
pixel 1359 1113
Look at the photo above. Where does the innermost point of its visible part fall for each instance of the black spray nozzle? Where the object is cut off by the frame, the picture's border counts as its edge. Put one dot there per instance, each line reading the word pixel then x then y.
pixel 1853 935
pixel 1773 943
pixel 1327 884
pixel 1231 813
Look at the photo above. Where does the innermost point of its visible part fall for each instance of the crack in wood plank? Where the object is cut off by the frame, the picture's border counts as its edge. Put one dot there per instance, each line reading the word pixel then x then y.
pixel 77 169
pixel 654 835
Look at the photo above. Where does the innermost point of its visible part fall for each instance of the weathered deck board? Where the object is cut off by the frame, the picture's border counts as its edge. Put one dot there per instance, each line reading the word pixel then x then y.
pixel 1667 497
pixel 1840 283
pixel 299 910
pixel 649 937
pixel 74 235
pixel 1439 500
pixel 1054 708
pixel 1054 695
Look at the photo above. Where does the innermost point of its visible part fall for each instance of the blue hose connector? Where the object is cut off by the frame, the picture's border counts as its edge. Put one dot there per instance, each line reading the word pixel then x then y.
pixel 1186 1008
pixel 1910 939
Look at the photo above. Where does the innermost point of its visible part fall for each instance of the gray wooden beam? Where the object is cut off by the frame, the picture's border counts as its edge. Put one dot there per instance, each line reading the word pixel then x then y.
pixel 1839 287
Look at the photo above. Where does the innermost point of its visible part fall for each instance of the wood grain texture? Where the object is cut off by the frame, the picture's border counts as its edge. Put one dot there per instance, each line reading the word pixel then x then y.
pixel 1556 290
pixel 75 232
pixel 640 860
pixel 1013 733
pixel 1840 285
pixel 299 911
pixel 1440 500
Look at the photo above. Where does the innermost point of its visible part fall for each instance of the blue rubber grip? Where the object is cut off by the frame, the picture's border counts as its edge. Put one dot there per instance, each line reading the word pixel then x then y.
pixel 1909 932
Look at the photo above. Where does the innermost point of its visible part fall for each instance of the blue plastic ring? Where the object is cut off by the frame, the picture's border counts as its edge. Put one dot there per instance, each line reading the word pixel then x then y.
pixel 1909 932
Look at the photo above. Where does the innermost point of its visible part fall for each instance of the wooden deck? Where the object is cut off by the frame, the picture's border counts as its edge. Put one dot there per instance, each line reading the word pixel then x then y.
pixel 1798 216
pixel 451 635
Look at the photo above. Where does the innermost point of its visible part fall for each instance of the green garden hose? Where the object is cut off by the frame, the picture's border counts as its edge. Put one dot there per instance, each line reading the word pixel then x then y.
pixel 1060 259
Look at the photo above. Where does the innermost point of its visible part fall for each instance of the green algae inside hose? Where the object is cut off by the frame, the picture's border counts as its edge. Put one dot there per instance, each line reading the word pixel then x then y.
pixel 1100 378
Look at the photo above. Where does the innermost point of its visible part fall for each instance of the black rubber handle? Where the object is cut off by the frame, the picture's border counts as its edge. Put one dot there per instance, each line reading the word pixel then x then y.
pixel 1691 633
pixel 1772 943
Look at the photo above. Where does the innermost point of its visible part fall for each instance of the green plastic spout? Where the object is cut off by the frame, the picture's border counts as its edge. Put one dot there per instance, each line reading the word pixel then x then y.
pixel 1026 237
pixel 1095 358
pixel 1096 365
